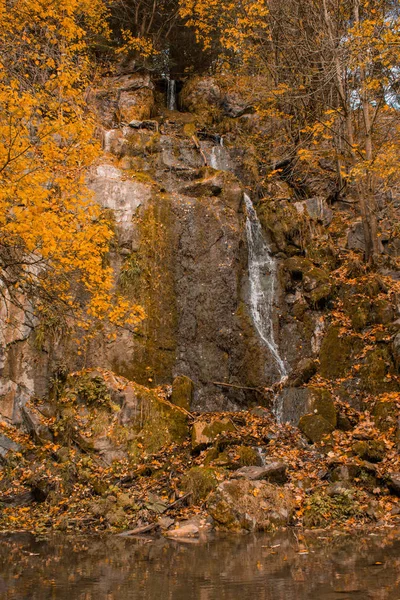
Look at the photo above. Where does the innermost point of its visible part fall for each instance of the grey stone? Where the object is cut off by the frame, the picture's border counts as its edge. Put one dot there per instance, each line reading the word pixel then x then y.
pixel 235 106
pixel 274 472
pixel 318 210
pixel 355 237
pixel 34 426
pixel 7 445
pixel 293 403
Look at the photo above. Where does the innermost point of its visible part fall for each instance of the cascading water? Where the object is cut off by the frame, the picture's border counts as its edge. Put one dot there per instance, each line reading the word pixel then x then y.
pixel 262 275
pixel 219 158
pixel 171 94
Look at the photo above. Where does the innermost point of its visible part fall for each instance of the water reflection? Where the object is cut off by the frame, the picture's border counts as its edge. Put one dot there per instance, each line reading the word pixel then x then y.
pixel 284 566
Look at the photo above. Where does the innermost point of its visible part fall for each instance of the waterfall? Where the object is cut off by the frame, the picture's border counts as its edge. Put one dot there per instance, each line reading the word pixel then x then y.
pixel 219 158
pixel 171 94
pixel 262 275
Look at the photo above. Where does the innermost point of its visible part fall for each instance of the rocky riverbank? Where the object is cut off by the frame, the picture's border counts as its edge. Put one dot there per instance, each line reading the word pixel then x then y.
pixel 105 454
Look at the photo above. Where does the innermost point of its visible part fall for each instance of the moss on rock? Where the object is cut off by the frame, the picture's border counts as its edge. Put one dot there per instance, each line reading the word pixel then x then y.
pixel 200 481
pixel 315 427
pixel 336 353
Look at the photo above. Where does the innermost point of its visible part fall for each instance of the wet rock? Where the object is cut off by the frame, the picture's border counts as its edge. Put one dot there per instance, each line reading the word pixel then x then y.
pixel 192 528
pixel 204 434
pixel 7 446
pixel 274 472
pixel 372 451
pixel 242 504
pixel 315 427
pixel 394 483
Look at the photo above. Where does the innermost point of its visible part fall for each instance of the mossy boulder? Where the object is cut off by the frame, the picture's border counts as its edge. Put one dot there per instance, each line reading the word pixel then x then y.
pixel 371 450
pixel 358 309
pixel 315 427
pixel 199 482
pixel 377 366
pixel 288 229
pixel 204 434
pixel 248 457
pixel 243 505
pixel 382 312
pixel 386 414
pixel 336 353
pixel 293 403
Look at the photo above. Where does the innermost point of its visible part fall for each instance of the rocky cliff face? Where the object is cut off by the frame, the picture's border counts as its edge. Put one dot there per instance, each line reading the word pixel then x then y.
pixel 175 192
pixel 180 251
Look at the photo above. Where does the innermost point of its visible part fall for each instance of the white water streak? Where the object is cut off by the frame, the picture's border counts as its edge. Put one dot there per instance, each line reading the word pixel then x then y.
pixel 262 275
pixel 171 95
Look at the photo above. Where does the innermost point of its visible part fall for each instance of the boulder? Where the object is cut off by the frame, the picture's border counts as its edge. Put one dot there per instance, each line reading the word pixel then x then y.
pixel 234 106
pixel 191 528
pixel 136 105
pixel 199 482
pixel 336 353
pixel 200 93
pixel 34 426
pixel 316 208
pixel 319 210
pixel 242 504
pixel 315 427
pixel 274 472
pixel 303 372
pixel 7 445
pixel 371 450
pixel 204 434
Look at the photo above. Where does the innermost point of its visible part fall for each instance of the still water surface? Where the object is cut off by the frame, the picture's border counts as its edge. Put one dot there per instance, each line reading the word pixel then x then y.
pixel 284 566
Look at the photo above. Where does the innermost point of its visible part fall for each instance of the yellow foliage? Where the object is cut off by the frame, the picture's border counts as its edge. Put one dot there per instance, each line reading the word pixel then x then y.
pixel 53 237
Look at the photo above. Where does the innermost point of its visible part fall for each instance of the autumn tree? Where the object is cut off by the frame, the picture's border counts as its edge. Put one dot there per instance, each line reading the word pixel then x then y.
pixel 328 69
pixel 53 238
